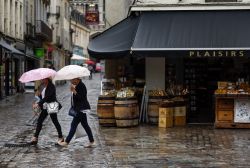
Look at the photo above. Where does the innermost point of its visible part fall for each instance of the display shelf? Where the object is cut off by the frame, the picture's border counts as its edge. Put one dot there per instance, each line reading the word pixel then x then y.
pixel 226 112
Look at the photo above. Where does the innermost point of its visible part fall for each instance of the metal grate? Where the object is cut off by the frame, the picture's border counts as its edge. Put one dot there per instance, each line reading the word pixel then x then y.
pixel 208 1
pixel 10 145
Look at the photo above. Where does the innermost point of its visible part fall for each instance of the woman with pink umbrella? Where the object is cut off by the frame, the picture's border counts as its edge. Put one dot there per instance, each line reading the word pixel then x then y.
pixel 47 96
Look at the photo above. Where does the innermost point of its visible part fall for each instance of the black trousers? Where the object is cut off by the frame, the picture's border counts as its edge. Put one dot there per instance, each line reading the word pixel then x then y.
pixel 41 119
pixel 80 118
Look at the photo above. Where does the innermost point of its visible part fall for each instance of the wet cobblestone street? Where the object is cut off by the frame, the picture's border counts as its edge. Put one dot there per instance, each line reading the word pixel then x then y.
pixel 145 146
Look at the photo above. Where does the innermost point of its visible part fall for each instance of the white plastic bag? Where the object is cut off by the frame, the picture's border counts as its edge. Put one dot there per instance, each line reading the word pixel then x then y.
pixel 80 132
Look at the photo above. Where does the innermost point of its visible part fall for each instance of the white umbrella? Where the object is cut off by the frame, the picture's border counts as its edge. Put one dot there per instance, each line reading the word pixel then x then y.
pixel 78 57
pixel 70 72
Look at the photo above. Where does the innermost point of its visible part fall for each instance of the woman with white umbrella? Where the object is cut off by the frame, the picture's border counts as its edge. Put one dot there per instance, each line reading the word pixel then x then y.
pixel 79 100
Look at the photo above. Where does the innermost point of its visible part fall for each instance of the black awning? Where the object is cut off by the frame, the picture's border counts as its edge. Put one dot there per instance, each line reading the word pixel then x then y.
pixel 116 41
pixel 164 31
pixel 12 49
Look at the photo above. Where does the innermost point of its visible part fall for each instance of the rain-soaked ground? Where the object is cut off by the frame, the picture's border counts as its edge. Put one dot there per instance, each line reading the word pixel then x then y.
pixel 144 146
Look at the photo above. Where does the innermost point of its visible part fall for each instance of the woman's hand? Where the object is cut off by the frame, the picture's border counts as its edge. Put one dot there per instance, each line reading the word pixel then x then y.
pixel 37 93
pixel 34 105
pixel 73 89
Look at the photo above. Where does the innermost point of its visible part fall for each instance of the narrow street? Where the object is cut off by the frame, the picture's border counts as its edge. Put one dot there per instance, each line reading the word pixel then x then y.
pixel 143 146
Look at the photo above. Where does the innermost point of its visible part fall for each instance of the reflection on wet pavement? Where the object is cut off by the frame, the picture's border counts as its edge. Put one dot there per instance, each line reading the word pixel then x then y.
pixel 145 146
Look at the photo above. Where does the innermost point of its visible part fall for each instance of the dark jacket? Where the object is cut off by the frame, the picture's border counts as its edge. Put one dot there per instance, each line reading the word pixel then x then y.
pixel 80 101
pixel 50 94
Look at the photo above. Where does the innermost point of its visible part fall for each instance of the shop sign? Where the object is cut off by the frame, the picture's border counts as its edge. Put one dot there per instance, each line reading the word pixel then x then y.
pixel 242 111
pixel 39 52
pixel 92 14
pixel 92 17
pixel 221 53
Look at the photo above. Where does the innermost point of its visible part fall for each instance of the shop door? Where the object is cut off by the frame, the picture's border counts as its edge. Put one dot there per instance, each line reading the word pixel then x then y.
pixel 200 106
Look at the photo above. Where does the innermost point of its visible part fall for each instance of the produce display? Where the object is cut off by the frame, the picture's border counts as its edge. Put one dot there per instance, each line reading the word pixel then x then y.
pixel 176 90
pixel 125 93
pixel 157 93
pixel 109 93
pixel 229 88
pixel 221 91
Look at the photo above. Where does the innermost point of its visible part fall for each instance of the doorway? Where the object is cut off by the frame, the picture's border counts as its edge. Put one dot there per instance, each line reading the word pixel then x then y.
pixel 201 76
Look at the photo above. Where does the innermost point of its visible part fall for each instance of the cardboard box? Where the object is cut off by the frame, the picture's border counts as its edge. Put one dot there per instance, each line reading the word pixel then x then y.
pixel 165 112
pixel 166 122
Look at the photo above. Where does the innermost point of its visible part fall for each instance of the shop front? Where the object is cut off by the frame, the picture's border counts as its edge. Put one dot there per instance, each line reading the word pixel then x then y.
pixel 191 51
pixel 10 62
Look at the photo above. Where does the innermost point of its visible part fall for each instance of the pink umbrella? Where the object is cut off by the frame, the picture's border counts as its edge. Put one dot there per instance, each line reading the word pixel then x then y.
pixel 37 74
pixel 90 62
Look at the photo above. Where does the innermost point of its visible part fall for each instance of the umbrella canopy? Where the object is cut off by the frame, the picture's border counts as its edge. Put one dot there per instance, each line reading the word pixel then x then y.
pixel 78 57
pixel 37 74
pixel 90 62
pixel 70 72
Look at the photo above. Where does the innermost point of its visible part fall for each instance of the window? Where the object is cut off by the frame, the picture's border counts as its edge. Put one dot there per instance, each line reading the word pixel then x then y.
pixel 31 14
pixel 5 26
pixel 27 11
pixel 66 10
pixel 21 21
pixel 16 30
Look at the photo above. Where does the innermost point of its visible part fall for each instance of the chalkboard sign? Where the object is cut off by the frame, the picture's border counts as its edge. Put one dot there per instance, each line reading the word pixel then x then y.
pixel 242 111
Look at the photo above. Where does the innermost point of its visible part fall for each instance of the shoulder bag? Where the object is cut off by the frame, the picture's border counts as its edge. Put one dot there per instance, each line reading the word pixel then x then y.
pixel 72 111
pixel 52 107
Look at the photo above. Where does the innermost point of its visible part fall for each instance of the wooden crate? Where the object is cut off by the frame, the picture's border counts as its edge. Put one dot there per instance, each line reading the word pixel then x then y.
pixel 225 103
pixel 165 112
pixel 166 122
pixel 225 115
pixel 180 116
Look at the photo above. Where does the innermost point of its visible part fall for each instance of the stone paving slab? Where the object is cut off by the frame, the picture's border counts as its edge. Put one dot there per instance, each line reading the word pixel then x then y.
pixel 145 146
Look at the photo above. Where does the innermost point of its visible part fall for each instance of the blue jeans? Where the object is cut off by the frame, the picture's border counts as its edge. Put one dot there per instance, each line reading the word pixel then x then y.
pixel 80 118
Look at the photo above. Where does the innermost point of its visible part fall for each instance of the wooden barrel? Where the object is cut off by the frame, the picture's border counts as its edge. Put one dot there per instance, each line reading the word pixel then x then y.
pixel 126 112
pixel 180 113
pixel 105 111
pixel 166 113
pixel 154 103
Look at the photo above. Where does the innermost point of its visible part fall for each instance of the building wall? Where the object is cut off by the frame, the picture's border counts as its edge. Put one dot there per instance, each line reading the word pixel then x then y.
pixel 155 73
pixel 81 31
pixel 59 22
pixel 80 36
pixel 41 14
pixel 80 5
pixel 29 13
pixel 11 18
pixel 65 29
pixel 116 11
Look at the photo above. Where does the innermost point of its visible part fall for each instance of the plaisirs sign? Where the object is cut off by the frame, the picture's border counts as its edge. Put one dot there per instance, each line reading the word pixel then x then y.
pixel 221 53
pixel 39 52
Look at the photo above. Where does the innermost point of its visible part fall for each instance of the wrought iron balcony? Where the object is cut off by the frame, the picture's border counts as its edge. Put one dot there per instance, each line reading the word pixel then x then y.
pixel 43 31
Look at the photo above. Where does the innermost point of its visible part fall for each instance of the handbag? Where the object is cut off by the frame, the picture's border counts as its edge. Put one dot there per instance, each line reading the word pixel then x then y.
pixel 72 112
pixel 52 107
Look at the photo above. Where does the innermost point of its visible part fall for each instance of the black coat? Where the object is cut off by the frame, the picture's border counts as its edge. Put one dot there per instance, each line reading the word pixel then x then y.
pixel 50 94
pixel 80 101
